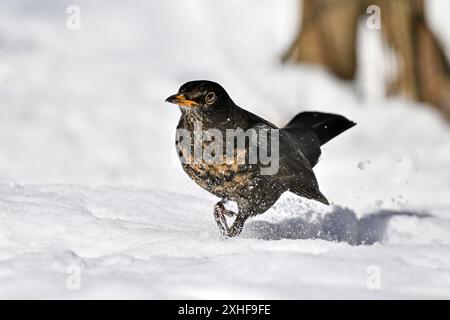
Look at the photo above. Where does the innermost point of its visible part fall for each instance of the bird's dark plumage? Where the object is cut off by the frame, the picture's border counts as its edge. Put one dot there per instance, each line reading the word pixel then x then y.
pixel 207 104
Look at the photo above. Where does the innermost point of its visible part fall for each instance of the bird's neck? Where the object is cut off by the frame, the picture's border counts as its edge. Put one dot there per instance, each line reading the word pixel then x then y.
pixel 191 116
pixel 211 118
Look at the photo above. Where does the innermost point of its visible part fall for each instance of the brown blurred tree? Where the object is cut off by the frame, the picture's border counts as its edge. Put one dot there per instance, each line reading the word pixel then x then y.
pixel 328 33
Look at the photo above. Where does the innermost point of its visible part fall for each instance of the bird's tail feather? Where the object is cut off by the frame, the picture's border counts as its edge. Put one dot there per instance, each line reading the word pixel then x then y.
pixel 326 126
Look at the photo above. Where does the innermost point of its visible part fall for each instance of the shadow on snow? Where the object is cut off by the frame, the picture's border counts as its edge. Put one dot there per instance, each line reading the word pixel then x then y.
pixel 339 225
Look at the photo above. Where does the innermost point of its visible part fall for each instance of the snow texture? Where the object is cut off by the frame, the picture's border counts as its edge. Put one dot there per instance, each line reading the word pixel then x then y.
pixel 90 179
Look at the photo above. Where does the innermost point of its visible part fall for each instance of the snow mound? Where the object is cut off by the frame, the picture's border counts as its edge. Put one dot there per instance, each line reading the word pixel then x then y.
pixel 137 243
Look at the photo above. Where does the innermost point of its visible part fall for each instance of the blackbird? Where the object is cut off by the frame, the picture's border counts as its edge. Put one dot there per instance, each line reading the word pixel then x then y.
pixel 206 105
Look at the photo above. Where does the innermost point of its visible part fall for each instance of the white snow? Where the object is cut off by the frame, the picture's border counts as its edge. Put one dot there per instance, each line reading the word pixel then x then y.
pixel 90 178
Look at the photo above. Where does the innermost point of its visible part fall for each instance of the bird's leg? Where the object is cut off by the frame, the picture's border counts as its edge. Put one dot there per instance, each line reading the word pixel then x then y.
pixel 219 215
pixel 237 226
pixel 221 207
pixel 226 212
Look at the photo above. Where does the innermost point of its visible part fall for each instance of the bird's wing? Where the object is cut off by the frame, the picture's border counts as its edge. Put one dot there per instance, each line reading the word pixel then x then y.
pixel 295 172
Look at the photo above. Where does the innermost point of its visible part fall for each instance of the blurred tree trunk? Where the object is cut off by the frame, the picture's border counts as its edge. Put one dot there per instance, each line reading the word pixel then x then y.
pixel 328 37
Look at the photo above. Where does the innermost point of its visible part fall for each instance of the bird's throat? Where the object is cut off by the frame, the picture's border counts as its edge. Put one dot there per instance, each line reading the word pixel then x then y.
pixel 208 118
pixel 191 116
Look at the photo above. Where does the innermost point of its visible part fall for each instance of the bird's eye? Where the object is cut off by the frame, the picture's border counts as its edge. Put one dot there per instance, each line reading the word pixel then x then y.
pixel 210 98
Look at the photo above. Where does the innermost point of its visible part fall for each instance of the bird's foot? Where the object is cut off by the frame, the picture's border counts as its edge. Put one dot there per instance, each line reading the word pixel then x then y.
pixel 225 211
pixel 219 215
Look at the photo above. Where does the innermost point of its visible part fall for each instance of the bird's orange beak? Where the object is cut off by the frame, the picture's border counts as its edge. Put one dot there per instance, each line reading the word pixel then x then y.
pixel 181 100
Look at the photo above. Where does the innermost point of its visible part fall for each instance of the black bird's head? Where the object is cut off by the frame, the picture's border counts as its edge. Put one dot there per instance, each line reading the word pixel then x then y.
pixel 201 94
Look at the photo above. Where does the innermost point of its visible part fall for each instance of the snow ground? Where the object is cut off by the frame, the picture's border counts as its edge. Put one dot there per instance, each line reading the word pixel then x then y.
pixel 89 176
pixel 130 244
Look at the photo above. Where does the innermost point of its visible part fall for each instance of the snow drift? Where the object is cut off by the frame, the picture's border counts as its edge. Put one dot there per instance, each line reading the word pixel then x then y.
pixel 129 243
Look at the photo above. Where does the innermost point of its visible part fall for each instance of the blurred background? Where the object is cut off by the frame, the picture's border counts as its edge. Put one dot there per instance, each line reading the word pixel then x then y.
pixel 86 105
